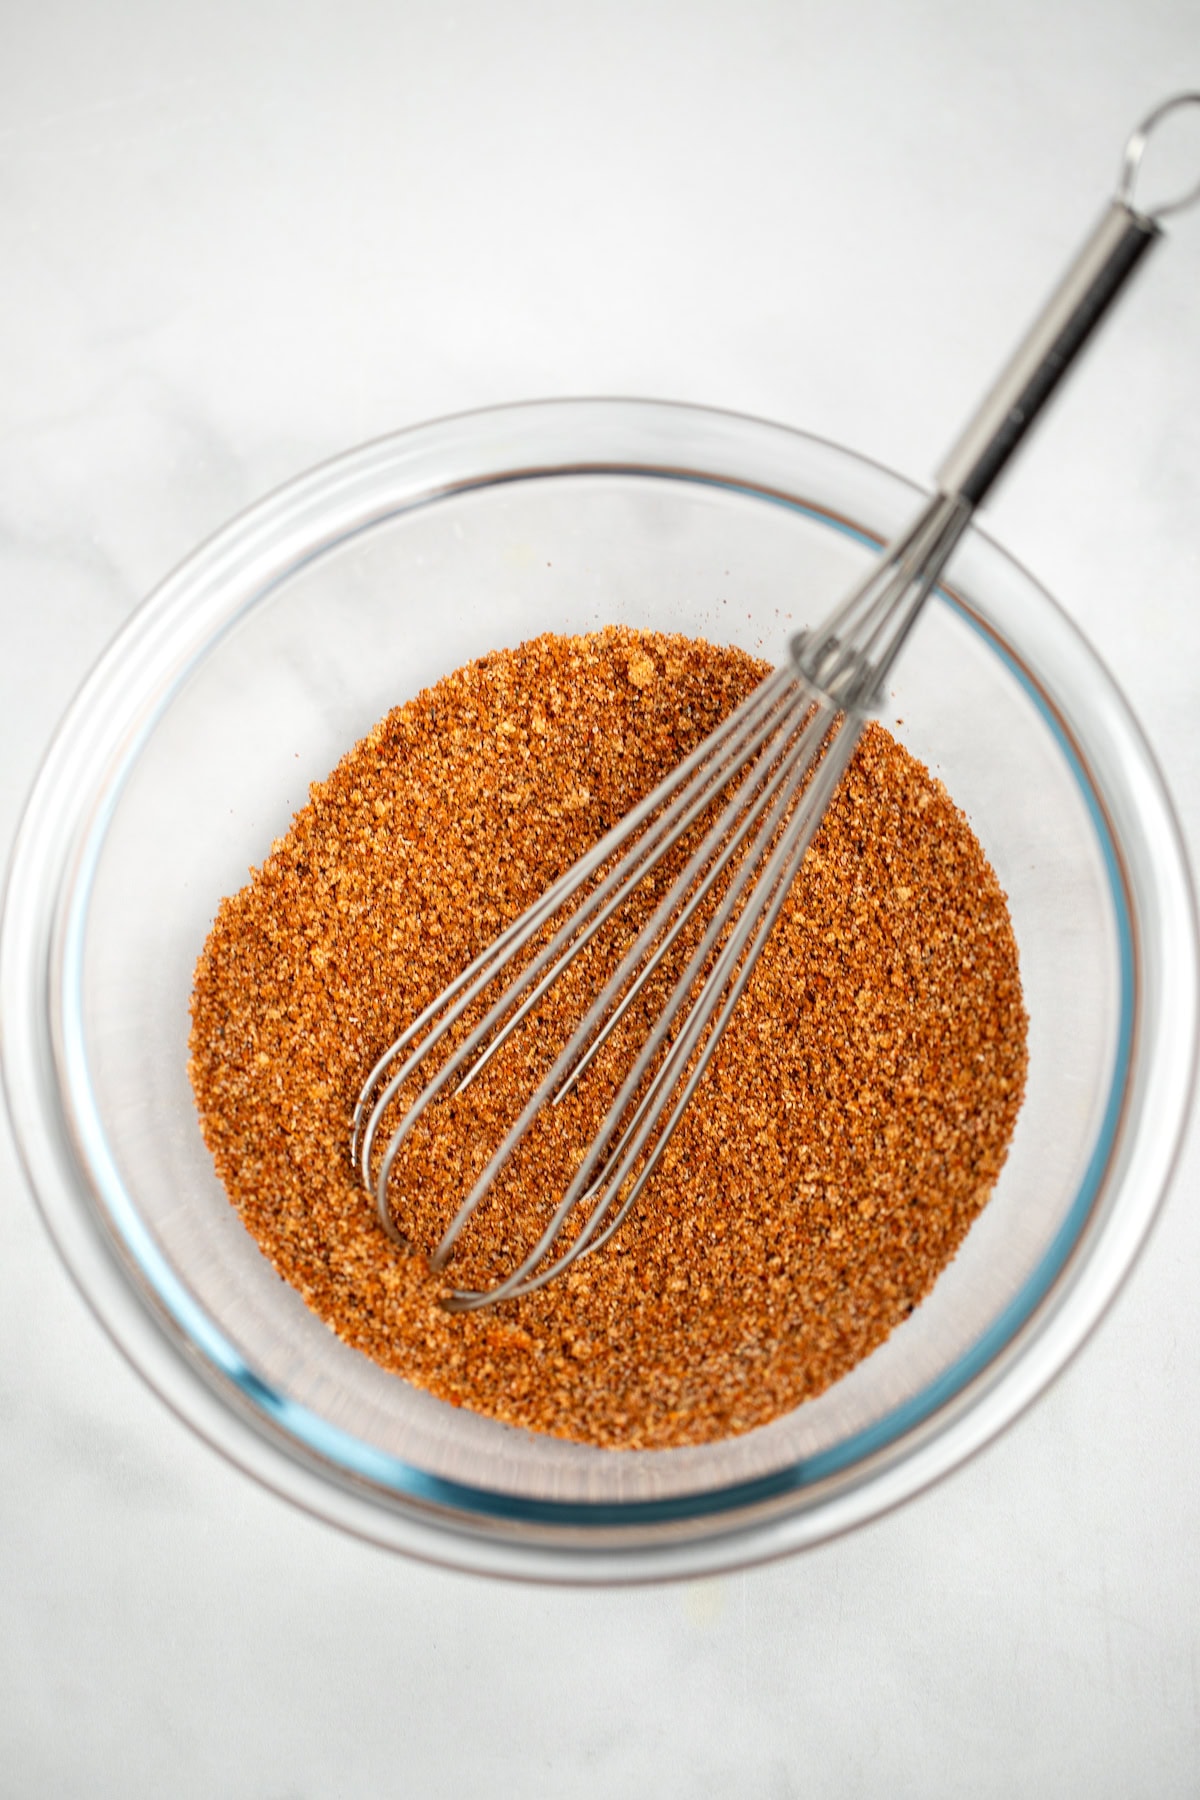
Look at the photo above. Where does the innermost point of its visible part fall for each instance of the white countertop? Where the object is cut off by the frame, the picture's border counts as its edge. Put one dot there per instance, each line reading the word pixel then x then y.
pixel 236 238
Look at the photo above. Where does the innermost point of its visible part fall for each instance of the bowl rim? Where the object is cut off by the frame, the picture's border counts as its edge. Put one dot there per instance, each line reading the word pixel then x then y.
pixel 201 1376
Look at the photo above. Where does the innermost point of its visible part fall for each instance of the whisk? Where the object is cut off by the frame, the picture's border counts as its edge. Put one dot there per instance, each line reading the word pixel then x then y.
pixel 753 793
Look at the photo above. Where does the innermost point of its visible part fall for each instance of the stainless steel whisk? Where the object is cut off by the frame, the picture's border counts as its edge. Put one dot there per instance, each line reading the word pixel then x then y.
pixel 763 781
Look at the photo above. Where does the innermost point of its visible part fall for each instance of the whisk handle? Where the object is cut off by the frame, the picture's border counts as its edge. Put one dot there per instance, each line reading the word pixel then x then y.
pixel 1082 298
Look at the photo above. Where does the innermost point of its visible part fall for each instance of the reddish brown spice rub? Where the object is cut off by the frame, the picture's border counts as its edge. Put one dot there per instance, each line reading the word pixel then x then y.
pixel 850 1127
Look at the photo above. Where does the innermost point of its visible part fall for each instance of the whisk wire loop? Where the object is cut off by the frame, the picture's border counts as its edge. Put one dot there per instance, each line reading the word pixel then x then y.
pixel 691 1007
pixel 688 1056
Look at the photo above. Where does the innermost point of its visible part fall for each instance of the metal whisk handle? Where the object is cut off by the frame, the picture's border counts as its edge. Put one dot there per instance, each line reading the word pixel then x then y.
pixel 1105 261
pixel 1082 298
pixel 849 656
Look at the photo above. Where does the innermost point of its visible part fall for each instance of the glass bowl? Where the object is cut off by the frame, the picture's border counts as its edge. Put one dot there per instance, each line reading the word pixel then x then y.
pixel 277 645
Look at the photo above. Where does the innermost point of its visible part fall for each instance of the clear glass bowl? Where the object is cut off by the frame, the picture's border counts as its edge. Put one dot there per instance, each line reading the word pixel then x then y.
pixel 283 640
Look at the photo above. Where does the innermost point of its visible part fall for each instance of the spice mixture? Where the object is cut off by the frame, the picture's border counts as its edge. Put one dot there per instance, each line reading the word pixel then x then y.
pixel 851 1125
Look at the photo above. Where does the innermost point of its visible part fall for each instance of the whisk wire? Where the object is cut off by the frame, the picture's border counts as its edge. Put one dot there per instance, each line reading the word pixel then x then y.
pixel 849 656
pixel 715 855
pixel 704 868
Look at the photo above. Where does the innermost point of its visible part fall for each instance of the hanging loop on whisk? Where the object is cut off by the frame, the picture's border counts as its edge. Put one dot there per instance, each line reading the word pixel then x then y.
pixel 1132 160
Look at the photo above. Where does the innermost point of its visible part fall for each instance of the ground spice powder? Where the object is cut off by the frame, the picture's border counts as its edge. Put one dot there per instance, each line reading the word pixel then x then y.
pixel 848 1130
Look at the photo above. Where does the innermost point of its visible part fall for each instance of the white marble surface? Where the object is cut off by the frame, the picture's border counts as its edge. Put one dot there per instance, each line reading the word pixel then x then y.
pixel 238 237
